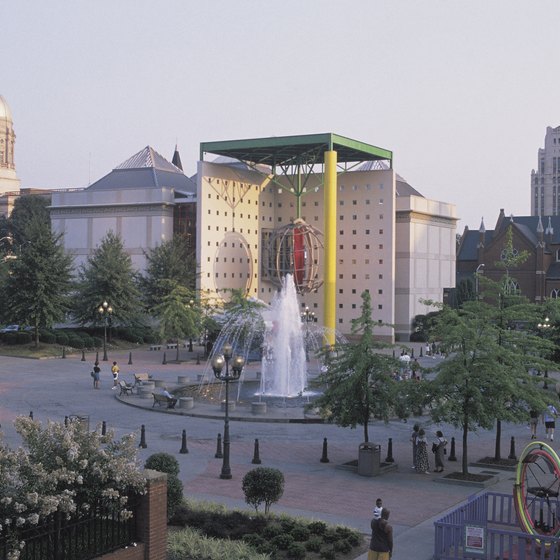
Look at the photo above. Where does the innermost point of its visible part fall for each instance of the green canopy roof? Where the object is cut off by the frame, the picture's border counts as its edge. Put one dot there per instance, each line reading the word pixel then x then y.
pixel 306 149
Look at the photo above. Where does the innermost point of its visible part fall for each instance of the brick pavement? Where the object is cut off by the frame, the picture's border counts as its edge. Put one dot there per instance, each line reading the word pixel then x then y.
pixel 55 388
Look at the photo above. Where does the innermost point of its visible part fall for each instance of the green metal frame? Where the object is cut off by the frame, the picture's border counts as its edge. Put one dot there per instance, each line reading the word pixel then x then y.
pixel 297 156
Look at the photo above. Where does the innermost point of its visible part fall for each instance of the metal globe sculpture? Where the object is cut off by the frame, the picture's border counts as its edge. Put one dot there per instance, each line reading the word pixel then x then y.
pixel 295 249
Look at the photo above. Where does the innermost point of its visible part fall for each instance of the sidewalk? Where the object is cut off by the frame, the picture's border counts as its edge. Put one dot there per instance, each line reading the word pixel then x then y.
pixel 56 388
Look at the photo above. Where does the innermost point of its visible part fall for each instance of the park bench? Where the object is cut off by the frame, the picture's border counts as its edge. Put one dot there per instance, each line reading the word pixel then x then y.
pixel 125 388
pixel 139 377
pixel 161 400
pixel 155 347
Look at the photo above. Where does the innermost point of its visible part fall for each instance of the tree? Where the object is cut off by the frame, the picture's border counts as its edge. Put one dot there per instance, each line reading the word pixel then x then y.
pixel 169 264
pixel 178 315
pixel 108 276
pixel 358 379
pixel 485 375
pixel 263 485
pixel 39 281
pixel 27 209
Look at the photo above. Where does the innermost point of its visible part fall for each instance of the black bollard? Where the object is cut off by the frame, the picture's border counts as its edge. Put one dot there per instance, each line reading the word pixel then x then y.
pixel 452 456
pixel 104 428
pixel 256 458
pixel 66 421
pixel 393 353
pixel 219 454
pixel 142 443
pixel 97 357
pixel 83 356
pixel 412 354
pixel 184 443
pixel 130 358
pixel 512 449
pixel 164 359
pixel 324 457
pixel 31 414
pixel 197 359
pixel 64 352
pixel 389 458
pixel 420 351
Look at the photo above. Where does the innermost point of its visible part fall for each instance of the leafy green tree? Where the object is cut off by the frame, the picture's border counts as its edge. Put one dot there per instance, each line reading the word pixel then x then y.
pixel 263 485
pixel 358 379
pixel 178 315
pixel 486 373
pixel 27 209
pixel 169 264
pixel 108 276
pixel 39 282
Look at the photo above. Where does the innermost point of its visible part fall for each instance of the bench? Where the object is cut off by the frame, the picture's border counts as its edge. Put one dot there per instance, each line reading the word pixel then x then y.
pixel 155 347
pixel 172 346
pixel 161 400
pixel 125 388
pixel 139 377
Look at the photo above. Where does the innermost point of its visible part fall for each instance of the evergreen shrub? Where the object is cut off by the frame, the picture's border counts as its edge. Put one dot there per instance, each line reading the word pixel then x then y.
pixel 61 338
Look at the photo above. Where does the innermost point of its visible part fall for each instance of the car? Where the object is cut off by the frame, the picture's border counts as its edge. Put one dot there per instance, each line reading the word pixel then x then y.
pixel 10 328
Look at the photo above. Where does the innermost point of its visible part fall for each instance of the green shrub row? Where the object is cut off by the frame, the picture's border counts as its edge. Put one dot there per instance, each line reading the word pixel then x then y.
pixel 279 537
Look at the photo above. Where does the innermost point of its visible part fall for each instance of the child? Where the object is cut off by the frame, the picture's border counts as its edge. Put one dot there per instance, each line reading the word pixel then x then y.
pixel 378 508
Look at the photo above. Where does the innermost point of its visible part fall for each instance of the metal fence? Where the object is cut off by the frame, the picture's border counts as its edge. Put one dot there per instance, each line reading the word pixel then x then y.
pixel 504 539
pixel 79 537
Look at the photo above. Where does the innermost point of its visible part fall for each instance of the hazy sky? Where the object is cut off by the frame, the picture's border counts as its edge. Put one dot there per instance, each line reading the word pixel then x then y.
pixel 460 91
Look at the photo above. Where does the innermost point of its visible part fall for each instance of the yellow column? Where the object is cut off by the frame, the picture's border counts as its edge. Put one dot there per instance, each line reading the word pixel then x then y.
pixel 329 302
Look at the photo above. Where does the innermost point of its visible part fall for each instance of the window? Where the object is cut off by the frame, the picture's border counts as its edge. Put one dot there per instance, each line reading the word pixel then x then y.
pixel 354 216
pixel 380 291
pixel 380 201
pixel 381 246
pixel 380 306
pixel 354 202
pixel 381 277
pixel 554 293
pixel 380 261
pixel 367 231
pixel 354 247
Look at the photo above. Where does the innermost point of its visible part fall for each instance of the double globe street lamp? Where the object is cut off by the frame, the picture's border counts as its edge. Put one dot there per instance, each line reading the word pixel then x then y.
pixel 236 368
pixel 105 310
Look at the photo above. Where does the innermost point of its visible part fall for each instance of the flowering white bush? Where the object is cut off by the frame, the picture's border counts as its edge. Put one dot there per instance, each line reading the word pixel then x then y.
pixel 62 468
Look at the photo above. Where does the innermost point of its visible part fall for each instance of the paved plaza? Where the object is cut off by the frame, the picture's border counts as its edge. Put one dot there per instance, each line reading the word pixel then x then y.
pixel 55 388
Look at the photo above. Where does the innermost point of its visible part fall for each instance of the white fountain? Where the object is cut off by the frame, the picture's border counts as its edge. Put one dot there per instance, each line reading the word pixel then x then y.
pixel 284 368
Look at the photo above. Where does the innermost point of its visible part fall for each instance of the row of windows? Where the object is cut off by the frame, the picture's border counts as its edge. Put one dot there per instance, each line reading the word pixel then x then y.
pixel 240 216
pixel 233 245
pixel 217 259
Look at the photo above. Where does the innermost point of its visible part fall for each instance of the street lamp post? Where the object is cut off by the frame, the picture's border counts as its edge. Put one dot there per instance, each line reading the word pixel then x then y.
pixel 105 310
pixel 236 369
pixel 307 317
pixel 543 328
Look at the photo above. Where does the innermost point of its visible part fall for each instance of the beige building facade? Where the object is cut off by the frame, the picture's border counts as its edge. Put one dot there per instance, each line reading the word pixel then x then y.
pixel 545 180
pixel 9 182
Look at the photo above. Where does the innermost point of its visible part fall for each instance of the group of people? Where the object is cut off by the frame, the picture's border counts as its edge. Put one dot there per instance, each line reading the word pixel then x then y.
pixel 548 418
pixel 96 375
pixel 381 543
pixel 419 441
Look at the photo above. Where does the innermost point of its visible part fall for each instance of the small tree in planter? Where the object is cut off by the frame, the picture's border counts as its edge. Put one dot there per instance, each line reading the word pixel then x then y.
pixel 263 485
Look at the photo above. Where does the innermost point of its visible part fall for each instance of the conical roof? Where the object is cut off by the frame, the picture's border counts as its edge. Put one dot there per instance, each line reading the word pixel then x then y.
pixel 148 157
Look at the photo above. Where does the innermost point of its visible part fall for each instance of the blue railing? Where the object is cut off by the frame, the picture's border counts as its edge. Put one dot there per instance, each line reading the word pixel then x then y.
pixel 504 539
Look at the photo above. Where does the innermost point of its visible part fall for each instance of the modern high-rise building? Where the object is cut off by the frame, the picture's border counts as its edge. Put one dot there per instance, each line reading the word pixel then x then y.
pixel 545 180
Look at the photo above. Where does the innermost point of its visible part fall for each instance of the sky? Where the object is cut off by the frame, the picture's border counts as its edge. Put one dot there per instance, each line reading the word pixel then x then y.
pixel 460 91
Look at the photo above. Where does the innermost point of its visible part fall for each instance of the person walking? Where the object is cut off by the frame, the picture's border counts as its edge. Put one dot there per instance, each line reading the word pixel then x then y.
pixel 414 440
pixel 422 464
pixel 533 422
pixel 115 371
pixel 378 508
pixel 381 544
pixel 439 450
pixel 549 419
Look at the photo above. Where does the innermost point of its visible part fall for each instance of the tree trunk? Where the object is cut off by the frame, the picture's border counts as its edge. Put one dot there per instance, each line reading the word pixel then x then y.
pixel 465 462
pixel 366 423
pixel 498 444
pixel 177 350
pixel 36 330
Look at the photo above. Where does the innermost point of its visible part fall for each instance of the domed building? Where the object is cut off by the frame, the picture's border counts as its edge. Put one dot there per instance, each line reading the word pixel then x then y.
pixel 9 181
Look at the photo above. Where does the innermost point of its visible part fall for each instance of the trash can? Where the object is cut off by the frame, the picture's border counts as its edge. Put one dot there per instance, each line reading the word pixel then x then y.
pixel 369 459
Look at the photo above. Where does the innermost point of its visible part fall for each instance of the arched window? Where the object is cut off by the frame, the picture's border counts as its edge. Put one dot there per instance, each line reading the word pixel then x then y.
pixel 511 287
pixel 554 293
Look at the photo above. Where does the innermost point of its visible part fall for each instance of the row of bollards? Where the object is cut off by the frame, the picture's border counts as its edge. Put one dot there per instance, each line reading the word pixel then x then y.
pixel 256 451
pixel 97 356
